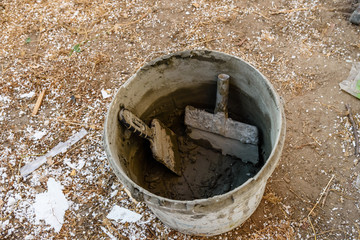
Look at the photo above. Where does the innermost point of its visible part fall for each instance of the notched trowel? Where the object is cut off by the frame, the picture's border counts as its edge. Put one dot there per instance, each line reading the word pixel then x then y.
pixel 230 137
pixel 163 141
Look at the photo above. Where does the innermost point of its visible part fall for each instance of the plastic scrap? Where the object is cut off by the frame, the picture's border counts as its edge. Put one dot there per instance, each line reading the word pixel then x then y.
pixel 123 215
pixel 51 206
pixel 60 148
pixel 352 84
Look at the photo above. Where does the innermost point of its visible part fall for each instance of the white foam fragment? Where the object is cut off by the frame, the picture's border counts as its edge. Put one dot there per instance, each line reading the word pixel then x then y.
pixel 105 93
pixel 50 206
pixel 5 99
pixel 80 165
pixel 27 95
pixel 11 201
pixel 123 215
pixel 60 148
pixel 39 134
pixel 113 194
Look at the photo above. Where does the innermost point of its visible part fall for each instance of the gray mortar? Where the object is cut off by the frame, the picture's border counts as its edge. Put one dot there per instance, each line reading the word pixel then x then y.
pixel 206 172
pixel 216 197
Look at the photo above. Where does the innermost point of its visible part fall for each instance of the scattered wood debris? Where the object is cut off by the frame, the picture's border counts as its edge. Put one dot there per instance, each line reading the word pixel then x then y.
pixel 38 103
pixel 355 129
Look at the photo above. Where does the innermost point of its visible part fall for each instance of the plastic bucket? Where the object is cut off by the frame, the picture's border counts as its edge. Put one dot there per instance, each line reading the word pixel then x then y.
pixel 189 78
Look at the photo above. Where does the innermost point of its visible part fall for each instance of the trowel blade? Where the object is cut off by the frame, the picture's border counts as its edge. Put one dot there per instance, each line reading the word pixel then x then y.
pixel 219 124
pixel 230 137
pixel 227 146
pixel 164 147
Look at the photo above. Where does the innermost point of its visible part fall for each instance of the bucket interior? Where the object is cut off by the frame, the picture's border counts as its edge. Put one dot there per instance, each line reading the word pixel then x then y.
pixel 162 91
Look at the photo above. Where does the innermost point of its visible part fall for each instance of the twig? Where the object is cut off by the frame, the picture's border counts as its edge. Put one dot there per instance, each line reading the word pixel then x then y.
pixel 318 143
pixel 326 194
pixel 262 15
pixel 329 231
pixel 312 226
pixel 205 41
pixel 17 204
pixel 293 192
pixel 116 26
pixel 338 192
pixel 305 145
pixel 241 42
pixel 76 123
pixel 151 231
pixel 358 229
pixel 283 11
pixel 38 103
pixel 321 195
pixel 354 129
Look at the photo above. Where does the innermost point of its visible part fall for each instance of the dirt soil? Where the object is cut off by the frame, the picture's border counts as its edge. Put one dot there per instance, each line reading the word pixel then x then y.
pixel 80 52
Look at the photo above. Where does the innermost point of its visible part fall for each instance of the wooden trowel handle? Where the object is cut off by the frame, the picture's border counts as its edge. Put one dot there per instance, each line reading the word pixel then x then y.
pixel 222 94
pixel 135 124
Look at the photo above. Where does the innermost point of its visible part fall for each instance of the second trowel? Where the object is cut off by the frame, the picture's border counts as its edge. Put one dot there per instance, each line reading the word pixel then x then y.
pixel 163 141
pixel 223 133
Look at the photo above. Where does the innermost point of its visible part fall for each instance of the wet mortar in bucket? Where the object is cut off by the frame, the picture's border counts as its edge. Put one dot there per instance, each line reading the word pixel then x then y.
pixel 206 172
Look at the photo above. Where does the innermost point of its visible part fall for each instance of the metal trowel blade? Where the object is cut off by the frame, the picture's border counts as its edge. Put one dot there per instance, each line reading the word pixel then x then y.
pixel 164 147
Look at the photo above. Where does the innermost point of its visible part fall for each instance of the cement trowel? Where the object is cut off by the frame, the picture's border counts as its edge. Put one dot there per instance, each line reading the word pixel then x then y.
pixel 163 141
pixel 224 134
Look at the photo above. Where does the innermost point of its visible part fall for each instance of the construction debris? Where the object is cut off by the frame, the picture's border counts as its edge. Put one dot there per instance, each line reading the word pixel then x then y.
pixel 352 84
pixel 60 148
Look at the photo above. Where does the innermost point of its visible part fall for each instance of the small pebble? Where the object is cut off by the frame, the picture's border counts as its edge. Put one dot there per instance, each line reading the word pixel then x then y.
pixel 356 161
pixel 355 17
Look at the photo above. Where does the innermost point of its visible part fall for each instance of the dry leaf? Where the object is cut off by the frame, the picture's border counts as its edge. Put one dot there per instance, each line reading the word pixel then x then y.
pixel 43 179
pixel 50 160
pixel 196 5
pixel 272 198
pixel 106 222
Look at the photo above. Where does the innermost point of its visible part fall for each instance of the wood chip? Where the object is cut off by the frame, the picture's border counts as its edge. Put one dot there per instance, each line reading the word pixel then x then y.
pixel 38 103
pixel 131 197
pixel 286 179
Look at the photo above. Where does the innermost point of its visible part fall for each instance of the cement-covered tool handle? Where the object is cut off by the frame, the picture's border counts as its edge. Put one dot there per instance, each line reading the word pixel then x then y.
pixel 135 124
pixel 222 94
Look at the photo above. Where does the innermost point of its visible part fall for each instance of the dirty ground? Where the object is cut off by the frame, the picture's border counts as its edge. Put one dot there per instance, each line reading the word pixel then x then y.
pixel 79 52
